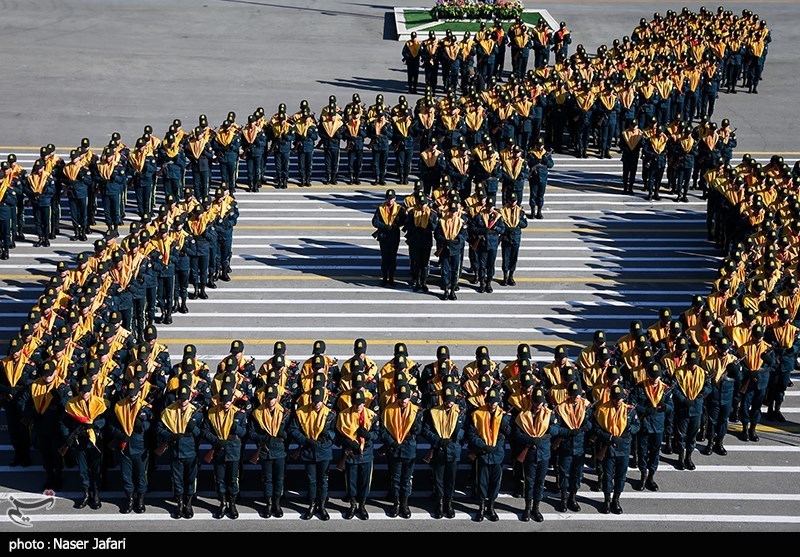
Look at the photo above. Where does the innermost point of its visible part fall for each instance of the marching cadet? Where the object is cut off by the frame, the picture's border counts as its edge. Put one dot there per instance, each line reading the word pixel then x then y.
pixel 515 172
pixel 724 381
pixel 450 235
pixel 521 45
pixel 401 422
pixel 280 133
pixel 533 428
pixel 172 164
pixel 199 155
pixel 489 227
pixel 354 134
pixel 18 374
pixel 684 153
pixel 306 136
pixel 692 386
pixel 429 58
pixel 142 169
pixel 132 420
pixel 44 405
pixel 75 181
pixel 226 145
pixel 575 414
pixel 540 162
pixel 8 205
pixel 443 428
pixel 652 399
pixel 631 148
pixel 179 428
pixel 616 423
pixel 655 158
pixel 487 431
pixel 269 429
pixel 224 427
pixel 331 133
pixel 411 58
pixel 227 210
pixel 380 133
pixel 357 429
pixel 514 220
pixel 561 41
pixel 254 144
pixel 542 43
pixel 783 336
pixel 757 359
pixel 82 425
pixel 420 224
pixel 40 190
pixel 388 219
pixel 313 429
pixel 165 253
pixel 404 142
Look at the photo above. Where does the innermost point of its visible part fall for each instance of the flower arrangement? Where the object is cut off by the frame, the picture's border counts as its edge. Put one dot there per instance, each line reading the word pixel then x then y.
pixel 477 9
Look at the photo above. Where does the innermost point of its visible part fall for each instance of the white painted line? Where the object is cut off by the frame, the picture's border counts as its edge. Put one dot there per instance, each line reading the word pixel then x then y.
pixel 292 516
pixel 399 316
pixel 406 290
pixel 415 302
pixel 605 268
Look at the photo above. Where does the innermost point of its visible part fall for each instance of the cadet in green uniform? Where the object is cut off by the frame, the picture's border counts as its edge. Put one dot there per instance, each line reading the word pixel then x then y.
pixel 488 429
pixel 357 429
pixel 18 373
pixel 82 426
pixel 575 418
pixel 269 429
pixel 313 429
pixel 532 431
pixel 388 220
pixel 224 427
pixel 179 428
pixel 401 422
pixel 443 428
pixel 420 224
pixel 653 399
pixel 131 422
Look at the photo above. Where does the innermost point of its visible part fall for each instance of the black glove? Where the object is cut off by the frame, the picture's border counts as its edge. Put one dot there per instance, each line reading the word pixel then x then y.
pixel 442 444
pixel 313 443
pixel 363 432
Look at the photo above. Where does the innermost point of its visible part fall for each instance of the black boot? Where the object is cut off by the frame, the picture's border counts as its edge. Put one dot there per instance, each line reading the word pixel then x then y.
pixel 481 510
pixel 183 308
pixel 323 512
pixel 363 514
pixel 526 514
pixel 606 508
pixel 312 508
pixel 491 514
pixel 681 458
pixel 168 317
pixel 395 510
pixel 709 446
pixel 202 295
pixel 640 486
pixel 127 506
pixel 719 448
pixel 223 506
pixel 511 281
pixel 234 512
pixel 277 511
pixel 539 213
pixel 615 506
pixel 667 448
pixel 139 507
pixel 351 512
pixel 95 503
pixel 423 286
pixel 688 462
pixel 83 501
pixel 505 279
pixel 438 512
pixel 481 287
pixel 572 504
pixel 448 509
pixel 752 433
pixel 193 294
pixel 650 483
pixel 268 508
pixel 778 417
pixel 188 511
pixel 225 277
pixel 536 513
pixel 179 509
pixel 405 512
pixel 489 288
pixel 562 504
pixel 211 284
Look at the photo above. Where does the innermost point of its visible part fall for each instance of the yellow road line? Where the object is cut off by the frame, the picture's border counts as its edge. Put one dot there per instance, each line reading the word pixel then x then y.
pixel 768 428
